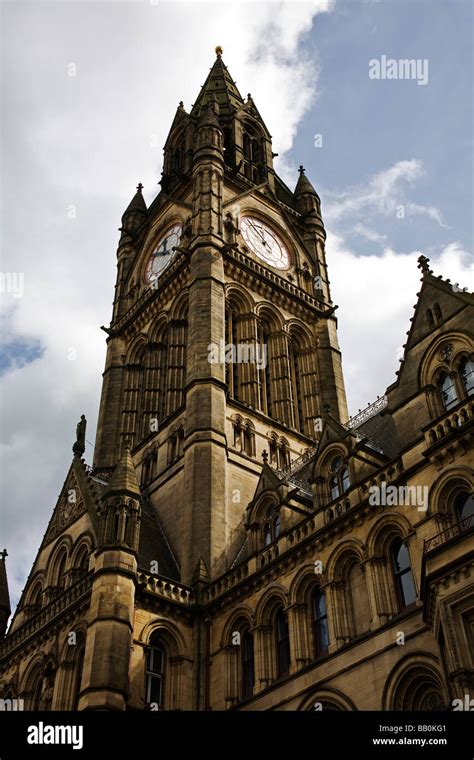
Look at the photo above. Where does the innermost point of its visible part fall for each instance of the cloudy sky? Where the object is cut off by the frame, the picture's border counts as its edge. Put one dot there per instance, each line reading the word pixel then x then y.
pixel 89 90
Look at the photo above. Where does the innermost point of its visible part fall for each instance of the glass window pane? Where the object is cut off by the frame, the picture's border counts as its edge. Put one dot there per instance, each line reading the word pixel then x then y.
pixel 408 587
pixel 322 636
pixel 402 559
pixel 467 372
pixel 448 392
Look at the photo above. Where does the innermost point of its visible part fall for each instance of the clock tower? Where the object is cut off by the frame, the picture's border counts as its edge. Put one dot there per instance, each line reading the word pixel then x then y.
pixel 222 351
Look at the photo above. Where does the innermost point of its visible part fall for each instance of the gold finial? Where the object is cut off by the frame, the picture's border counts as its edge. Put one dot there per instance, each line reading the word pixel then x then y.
pixel 219 50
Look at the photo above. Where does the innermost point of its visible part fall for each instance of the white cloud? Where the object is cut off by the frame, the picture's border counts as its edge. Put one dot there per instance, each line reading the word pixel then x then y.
pixel 384 194
pixel 376 295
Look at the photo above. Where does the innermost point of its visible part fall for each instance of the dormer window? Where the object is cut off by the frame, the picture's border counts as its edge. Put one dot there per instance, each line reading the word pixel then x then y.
pixel 339 479
pixel 272 526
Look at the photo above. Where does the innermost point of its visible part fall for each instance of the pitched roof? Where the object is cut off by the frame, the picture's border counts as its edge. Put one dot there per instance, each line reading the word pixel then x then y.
pixel 381 432
pixel 153 545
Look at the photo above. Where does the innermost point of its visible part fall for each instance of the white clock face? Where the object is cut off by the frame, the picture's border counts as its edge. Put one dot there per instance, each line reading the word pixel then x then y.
pixel 162 253
pixel 264 242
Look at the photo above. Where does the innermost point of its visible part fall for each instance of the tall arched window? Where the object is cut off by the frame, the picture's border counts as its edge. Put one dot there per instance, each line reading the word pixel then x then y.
pixel 320 622
pixel 59 577
pixel 448 391
pixel 429 318
pixel 253 153
pixel 282 638
pixel 467 375
pixel 155 672
pixel 247 664
pixel 81 563
pixel 404 584
pixel 437 312
pixel 248 440
pixel 271 526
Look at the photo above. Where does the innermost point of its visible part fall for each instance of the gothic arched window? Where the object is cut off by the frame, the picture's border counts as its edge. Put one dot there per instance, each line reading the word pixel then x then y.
pixel 296 372
pixel 248 445
pixel 339 479
pixel 404 584
pixel 271 526
pixel 282 639
pixel 253 153
pixel 320 622
pixel 59 574
pixel 155 672
pixel 437 312
pixel 448 392
pixel 467 375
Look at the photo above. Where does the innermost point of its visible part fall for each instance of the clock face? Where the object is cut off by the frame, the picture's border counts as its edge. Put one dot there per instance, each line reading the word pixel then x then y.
pixel 264 242
pixel 162 253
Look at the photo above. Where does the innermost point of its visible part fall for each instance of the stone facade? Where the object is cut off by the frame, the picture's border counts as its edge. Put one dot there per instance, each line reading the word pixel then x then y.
pixel 238 542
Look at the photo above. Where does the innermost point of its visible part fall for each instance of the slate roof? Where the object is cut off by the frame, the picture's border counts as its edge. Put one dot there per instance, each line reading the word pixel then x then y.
pixel 380 430
pixel 154 546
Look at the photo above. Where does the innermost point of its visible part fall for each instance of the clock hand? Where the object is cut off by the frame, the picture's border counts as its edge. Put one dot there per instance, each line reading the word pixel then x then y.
pixel 258 233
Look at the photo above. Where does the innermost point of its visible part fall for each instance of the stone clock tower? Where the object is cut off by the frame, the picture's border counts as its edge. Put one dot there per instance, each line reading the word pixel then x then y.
pixel 224 551
pixel 227 257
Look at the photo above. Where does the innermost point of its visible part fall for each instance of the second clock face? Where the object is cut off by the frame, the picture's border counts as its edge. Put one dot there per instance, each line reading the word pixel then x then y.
pixel 264 242
pixel 162 253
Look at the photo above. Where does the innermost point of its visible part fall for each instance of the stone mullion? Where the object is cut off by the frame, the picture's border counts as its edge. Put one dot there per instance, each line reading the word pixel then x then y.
pixel 299 640
pixel 308 385
pixel 280 378
pixel 232 674
pixel 130 421
pixel 340 619
pixel 262 656
pixel 379 580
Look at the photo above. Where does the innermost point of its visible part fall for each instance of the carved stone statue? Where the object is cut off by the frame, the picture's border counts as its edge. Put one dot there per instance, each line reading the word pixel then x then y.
pixel 80 444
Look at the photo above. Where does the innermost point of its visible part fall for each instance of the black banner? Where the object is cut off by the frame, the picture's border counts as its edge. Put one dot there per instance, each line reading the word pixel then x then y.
pixel 129 734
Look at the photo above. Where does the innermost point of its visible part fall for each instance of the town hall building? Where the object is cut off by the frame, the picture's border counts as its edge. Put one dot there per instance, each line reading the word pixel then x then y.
pixel 239 542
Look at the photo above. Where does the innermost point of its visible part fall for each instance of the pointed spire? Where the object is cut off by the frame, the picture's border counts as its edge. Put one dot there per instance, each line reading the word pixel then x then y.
pixel 124 478
pixel 5 609
pixel 201 574
pixel 304 186
pixel 220 84
pixel 137 205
